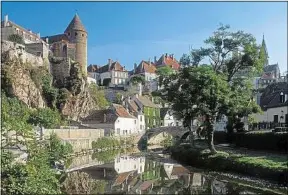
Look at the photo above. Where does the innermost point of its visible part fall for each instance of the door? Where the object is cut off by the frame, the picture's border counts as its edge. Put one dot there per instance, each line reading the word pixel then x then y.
pixel 275 119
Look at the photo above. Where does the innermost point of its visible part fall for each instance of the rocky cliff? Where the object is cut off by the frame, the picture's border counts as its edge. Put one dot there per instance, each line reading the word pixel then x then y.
pixel 36 87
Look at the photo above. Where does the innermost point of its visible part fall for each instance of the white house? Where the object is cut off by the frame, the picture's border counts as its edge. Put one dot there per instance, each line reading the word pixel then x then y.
pixel 115 120
pixel 127 163
pixel 274 103
pixel 167 118
pixel 91 80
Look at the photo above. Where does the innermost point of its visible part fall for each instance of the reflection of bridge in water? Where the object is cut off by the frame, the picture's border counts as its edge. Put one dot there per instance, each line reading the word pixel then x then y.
pixel 83 161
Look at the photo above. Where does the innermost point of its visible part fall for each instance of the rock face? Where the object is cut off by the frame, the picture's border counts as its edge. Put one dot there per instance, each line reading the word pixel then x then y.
pixel 80 105
pixel 21 85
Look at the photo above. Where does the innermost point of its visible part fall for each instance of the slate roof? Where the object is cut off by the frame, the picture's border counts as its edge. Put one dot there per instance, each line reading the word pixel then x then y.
pixel 270 98
pixel 75 24
pixel 168 61
pixel 92 68
pixel 272 67
pixel 147 102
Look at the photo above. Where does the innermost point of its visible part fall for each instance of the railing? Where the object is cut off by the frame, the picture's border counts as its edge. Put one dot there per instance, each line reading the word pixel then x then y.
pixel 265 126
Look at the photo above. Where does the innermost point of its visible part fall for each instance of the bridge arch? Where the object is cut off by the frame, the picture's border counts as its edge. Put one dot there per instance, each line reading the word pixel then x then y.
pixel 174 131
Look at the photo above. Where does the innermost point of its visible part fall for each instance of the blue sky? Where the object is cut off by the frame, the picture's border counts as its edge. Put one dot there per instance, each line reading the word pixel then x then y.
pixel 132 31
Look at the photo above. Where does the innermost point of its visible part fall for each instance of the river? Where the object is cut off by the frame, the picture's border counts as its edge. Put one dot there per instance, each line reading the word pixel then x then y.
pixel 155 173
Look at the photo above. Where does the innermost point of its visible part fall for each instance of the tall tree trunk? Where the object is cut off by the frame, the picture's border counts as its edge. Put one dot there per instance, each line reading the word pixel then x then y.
pixel 210 136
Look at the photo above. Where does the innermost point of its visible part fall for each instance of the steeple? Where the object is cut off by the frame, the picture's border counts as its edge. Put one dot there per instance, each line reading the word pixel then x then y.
pixel 265 52
pixel 75 24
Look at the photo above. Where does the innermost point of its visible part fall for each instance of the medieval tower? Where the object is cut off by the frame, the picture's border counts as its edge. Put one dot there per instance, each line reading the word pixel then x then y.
pixel 77 34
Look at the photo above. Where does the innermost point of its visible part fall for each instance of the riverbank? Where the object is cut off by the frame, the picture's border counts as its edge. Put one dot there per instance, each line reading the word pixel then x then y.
pixel 269 167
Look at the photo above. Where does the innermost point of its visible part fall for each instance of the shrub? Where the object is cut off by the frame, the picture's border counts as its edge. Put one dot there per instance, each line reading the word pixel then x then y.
pixel 16 39
pixel 255 140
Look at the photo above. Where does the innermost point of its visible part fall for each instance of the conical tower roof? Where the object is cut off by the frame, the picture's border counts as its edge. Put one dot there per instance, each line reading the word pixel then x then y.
pixel 75 24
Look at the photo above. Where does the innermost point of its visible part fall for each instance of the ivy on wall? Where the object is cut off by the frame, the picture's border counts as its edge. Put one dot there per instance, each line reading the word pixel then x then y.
pixel 152 114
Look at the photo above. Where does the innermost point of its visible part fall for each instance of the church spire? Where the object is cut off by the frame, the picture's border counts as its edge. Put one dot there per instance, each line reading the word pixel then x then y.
pixel 265 52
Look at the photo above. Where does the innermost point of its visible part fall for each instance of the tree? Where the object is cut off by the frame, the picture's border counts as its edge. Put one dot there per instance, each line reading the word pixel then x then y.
pixel 98 96
pixel 16 39
pixel 198 91
pixel 163 72
pixel 45 117
pixel 137 80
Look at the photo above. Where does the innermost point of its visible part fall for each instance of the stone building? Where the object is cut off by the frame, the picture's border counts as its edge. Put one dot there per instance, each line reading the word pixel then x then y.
pixel 32 41
pixel 71 44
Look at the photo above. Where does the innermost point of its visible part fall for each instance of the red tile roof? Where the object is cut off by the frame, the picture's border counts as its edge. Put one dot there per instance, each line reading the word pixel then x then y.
pixel 145 185
pixel 114 66
pixel 122 177
pixel 145 66
pixel 92 68
pixel 168 60
pixel 179 170
pixel 121 111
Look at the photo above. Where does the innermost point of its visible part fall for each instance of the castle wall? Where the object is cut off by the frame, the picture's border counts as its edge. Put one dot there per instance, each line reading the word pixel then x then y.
pixel 61 68
pixel 16 50
pixel 38 49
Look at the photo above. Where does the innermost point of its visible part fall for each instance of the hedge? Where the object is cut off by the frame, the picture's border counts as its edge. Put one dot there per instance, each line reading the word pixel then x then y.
pixel 252 166
pixel 255 140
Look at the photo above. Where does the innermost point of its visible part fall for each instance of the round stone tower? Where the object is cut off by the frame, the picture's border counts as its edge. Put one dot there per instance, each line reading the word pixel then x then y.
pixel 78 35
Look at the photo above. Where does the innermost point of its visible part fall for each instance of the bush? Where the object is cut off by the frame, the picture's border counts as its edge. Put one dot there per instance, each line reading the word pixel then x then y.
pixel 16 39
pixel 255 140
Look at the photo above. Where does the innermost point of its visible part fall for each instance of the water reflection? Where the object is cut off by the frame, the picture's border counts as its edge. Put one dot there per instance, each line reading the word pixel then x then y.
pixel 140 174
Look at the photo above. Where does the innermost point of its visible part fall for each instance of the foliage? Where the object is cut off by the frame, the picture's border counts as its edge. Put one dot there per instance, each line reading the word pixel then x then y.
pixel 45 117
pixel 50 93
pixel 215 90
pixel 16 39
pixel 37 175
pixel 163 72
pixel 63 96
pixel 151 115
pixel 118 98
pixel 105 142
pixel 81 183
pixel 266 167
pixel 106 156
pixel 137 79
pixel 98 96
pixel 74 81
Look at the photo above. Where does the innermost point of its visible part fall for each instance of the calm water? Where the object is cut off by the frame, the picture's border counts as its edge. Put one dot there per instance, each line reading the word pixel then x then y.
pixel 153 173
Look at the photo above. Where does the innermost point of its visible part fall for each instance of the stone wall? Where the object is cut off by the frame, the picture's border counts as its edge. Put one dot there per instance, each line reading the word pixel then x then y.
pixel 38 49
pixel 60 68
pixel 14 50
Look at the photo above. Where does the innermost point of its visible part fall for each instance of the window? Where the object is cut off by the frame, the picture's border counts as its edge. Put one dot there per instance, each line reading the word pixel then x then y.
pixel 134 121
pixel 82 35
pixel 116 74
pixel 141 118
pixel 76 33
pixel 134 166
pixel 118 130
pixel 69 34
pixel 140 127
pixel 177 123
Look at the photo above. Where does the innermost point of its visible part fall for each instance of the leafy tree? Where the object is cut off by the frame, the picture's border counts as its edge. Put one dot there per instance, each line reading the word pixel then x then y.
pixel 16 39
pixel 98 96
pixel 163 72
pixel 45 117
pixel 217 89
pixel 118 98
pixel 137 79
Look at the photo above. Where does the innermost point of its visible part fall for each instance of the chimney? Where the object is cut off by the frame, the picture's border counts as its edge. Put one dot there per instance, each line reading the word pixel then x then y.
pixel 166 55
pixel 135 67
pixel 109 63
pixel 30 31
pixel 155 59
pixel 38 35
pixel 282 97
pixel 172 56
pixel 104 118
pixel 286 96
pixel 47 40
pixel 5 20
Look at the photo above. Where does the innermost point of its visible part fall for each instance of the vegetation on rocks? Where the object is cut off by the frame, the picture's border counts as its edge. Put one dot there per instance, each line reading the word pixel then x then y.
pixel 37 175
pixel 16 39
pixel 98 96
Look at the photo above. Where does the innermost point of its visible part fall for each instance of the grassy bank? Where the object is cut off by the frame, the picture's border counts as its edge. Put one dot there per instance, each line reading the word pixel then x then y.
pixel 265 167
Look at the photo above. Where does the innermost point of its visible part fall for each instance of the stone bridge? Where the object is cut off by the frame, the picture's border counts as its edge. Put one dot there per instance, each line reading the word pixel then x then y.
pixel 157 134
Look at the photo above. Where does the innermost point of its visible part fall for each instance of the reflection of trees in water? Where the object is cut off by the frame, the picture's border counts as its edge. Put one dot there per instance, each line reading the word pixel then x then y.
pixel 110 155
pixel 81 183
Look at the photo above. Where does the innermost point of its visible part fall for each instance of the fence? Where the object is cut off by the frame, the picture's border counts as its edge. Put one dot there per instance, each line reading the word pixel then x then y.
pixel 266 125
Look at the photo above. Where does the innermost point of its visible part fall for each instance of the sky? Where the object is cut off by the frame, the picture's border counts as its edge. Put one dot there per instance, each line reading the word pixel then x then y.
pixel 133 31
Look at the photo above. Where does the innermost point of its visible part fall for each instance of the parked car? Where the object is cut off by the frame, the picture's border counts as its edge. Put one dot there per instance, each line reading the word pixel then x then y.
pixel 280 129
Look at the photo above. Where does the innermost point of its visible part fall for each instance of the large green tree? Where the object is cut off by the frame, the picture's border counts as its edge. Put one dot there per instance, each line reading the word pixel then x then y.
pixel 216 89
